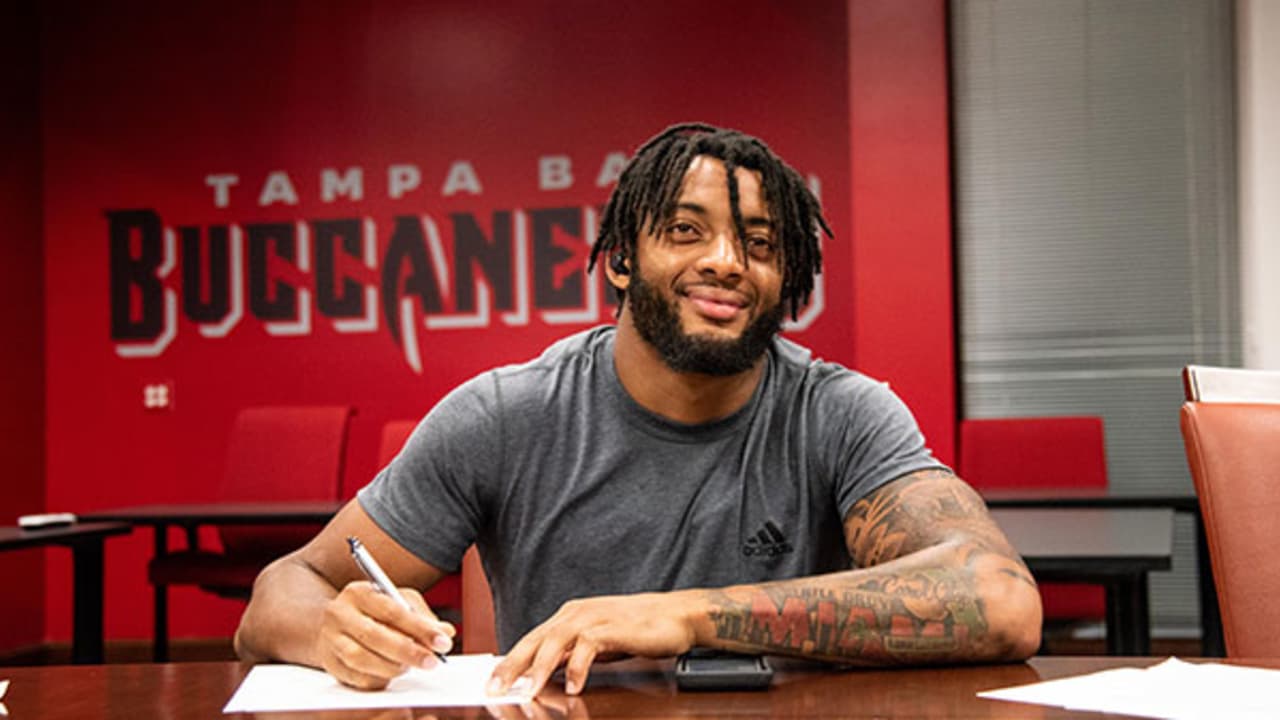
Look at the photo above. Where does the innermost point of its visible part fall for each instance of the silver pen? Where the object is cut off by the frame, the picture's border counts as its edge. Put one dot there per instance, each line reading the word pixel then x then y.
pixel 374 572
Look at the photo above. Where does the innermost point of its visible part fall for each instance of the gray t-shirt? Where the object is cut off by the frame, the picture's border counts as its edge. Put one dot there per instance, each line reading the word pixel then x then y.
pixel 570 489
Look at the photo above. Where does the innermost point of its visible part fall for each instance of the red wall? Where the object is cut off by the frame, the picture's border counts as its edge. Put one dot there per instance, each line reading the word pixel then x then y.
pixel 21 294
pixel 139 117
pixel 900 161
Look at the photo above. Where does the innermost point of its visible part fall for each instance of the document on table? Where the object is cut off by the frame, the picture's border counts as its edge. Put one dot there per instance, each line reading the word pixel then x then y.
pixel 4 686
pixel 460 681
pixel 1173 689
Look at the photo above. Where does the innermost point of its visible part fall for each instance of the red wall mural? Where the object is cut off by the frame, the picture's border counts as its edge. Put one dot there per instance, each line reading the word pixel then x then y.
pixel 368 204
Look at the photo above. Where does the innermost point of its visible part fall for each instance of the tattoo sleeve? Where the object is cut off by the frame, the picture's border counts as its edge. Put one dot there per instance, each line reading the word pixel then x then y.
pixel 923 545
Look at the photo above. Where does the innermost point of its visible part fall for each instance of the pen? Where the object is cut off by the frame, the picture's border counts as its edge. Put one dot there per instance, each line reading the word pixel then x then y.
pixel 374 572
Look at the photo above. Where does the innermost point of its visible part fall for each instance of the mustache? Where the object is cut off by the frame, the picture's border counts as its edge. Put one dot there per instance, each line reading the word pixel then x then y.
pixel 714 284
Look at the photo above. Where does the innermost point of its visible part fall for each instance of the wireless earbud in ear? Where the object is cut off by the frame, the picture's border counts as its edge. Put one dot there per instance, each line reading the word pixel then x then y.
pixel 618 263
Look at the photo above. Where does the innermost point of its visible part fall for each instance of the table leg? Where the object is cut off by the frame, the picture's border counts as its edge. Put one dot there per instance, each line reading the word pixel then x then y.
pixel 1140 613
pixel 1128 616
pixel 86 560
pixel 160 602
pixel 1115 619
pixel 1211 643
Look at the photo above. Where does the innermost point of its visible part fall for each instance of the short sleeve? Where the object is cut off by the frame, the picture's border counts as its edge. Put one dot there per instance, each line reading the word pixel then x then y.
pixel 430 497
pixel 873 437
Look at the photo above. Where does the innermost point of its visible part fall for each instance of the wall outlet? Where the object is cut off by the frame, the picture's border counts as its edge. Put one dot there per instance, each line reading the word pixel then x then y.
pixel 157 396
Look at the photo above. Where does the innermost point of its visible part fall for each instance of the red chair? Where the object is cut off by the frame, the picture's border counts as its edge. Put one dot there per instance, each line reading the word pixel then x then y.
pixel 479 629
pixel 1231 429
pixel 274 454
pixel 445 597
pixel 1051 453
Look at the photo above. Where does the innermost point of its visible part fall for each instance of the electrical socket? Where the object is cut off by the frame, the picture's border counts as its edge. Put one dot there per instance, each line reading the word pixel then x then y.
pixel 157 396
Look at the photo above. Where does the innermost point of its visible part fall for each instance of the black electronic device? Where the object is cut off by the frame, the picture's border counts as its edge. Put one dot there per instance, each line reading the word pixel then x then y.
pixel 704 669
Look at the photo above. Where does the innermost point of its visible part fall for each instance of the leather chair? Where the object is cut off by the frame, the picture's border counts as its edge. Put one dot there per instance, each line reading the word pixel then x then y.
pixel 1231 431
pixel 274 454
pixel 1040 452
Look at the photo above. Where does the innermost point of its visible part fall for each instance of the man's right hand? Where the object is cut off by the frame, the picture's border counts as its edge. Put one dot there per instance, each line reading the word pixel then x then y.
pixel 313 607
pixel 366 638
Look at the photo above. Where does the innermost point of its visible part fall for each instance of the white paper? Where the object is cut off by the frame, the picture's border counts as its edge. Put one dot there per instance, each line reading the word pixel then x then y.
pixel 1173 689
pixel 458 682
pixel 4 687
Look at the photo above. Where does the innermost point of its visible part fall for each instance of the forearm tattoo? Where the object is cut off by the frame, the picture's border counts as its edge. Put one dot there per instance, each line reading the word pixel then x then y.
pixel 905 612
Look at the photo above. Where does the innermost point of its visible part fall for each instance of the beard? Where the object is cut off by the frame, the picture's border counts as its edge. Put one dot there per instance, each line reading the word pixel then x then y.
pixel 657 319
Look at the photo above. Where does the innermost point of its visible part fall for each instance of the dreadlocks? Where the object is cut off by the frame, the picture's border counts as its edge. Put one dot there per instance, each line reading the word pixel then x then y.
pixel 648 188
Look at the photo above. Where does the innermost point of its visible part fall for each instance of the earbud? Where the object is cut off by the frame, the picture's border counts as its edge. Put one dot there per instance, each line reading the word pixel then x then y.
pixel 618 264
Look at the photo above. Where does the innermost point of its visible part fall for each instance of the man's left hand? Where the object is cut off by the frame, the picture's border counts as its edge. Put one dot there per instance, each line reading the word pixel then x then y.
pixel 646 624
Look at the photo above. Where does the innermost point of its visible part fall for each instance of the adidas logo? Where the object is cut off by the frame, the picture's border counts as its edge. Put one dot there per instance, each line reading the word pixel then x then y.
pixel 767 542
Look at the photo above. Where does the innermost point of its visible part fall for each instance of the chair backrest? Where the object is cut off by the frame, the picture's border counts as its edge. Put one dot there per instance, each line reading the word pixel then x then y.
pixel 282 453
pixel 1233 450
pixel 1052 452
pixel 394 435
pixel 1203 383
pixel 479 633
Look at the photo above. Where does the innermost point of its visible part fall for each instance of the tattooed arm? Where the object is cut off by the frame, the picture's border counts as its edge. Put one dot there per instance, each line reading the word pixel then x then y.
pixel 936 581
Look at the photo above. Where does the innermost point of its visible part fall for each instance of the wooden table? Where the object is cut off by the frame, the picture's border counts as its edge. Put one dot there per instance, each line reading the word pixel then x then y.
pixel 85 541
pixel 1211 642
pixel 630 689
pixel 1115 548
pixel 190 517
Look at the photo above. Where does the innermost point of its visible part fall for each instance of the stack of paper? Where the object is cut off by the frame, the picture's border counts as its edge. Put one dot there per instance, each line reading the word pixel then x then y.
pixel 460 681
pixel 1173 689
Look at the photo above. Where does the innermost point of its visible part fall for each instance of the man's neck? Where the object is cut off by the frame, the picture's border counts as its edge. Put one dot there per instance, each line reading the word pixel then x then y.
pixel 685 397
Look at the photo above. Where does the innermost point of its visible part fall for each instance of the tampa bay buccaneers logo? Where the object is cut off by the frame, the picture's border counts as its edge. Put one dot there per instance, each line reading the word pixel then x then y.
pixel 289 276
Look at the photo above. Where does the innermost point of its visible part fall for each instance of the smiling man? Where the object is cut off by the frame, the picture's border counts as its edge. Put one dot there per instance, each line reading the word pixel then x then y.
pixel 684 478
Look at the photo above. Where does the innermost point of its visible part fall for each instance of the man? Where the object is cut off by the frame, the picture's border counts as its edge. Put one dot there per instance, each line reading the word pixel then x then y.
pixel 686 479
